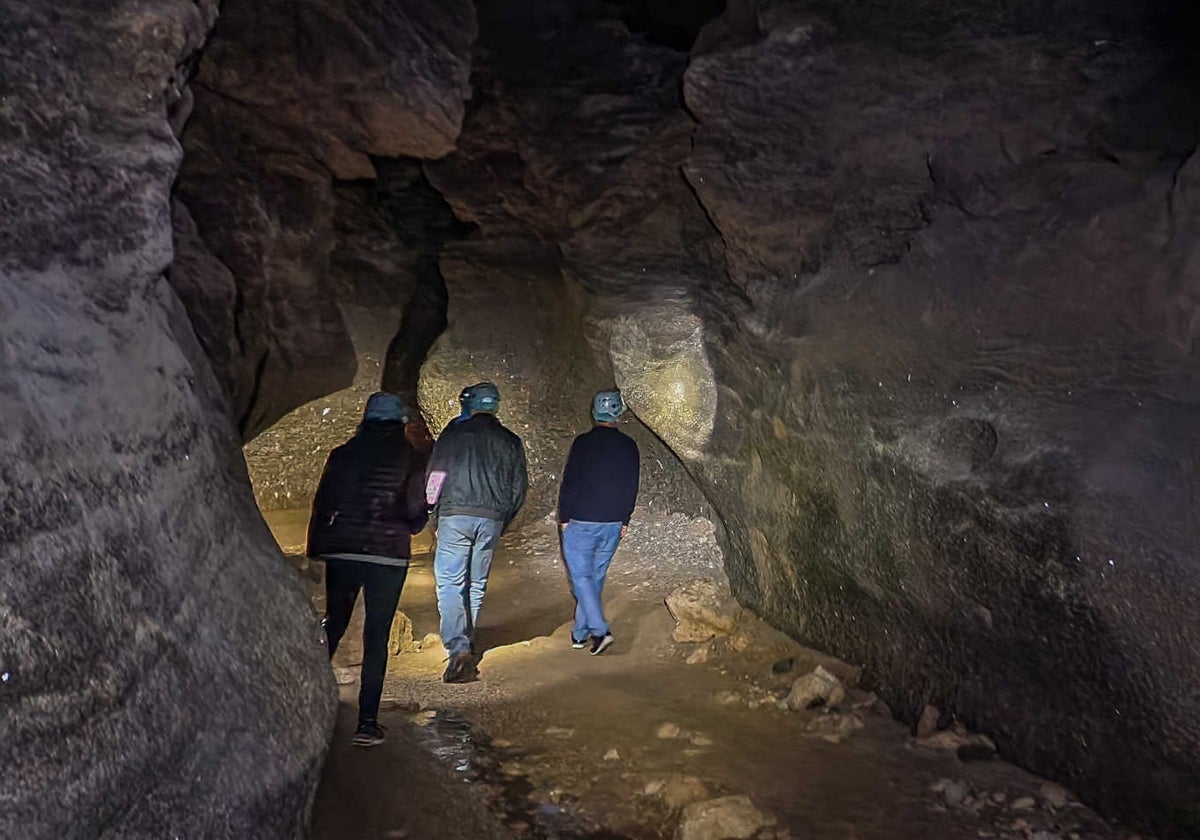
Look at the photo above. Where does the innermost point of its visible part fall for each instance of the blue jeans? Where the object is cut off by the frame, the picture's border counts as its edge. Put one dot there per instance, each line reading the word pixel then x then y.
pixel 588 548
pixel 465 545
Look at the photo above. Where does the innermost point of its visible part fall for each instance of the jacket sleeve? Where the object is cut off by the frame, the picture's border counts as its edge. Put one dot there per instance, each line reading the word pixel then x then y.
pixel 632 478
pixel 415 509
pixel 519 484
pixel 323 501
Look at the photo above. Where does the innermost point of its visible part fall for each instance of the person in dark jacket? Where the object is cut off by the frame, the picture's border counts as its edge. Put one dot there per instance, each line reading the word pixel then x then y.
pixel 369 503
pixel 477 482
pixel 597 497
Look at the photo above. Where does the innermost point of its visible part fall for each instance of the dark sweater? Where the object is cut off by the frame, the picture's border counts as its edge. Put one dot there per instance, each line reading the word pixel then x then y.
pixel 600 481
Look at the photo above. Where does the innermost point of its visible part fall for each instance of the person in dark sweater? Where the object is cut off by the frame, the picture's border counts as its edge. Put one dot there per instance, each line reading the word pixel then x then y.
pixel 369 503
pixel 597 497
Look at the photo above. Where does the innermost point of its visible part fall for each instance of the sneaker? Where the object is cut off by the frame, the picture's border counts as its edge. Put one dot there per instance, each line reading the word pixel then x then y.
pixel 578 644
pixel 459 668
pixel 368 734
pixel 599 645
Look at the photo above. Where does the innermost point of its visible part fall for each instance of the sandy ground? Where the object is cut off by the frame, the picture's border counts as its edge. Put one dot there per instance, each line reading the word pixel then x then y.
pixel 553 742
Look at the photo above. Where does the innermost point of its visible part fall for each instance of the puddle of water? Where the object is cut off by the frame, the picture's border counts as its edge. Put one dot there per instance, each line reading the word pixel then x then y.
pixel 450 739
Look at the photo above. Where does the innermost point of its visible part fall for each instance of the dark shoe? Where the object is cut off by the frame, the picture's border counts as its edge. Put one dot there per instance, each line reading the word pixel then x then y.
pixel 578 644
pixel 459 668
pixel 369 734
pixel 599 645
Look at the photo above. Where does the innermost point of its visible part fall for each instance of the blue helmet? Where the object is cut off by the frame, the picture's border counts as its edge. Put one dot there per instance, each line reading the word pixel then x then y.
pixel 607 406
pixel 482 396
pixel 383 407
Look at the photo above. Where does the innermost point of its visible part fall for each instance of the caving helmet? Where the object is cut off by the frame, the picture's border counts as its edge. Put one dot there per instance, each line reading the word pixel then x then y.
pixel 482 396
pixel 607 406
pixel 383 407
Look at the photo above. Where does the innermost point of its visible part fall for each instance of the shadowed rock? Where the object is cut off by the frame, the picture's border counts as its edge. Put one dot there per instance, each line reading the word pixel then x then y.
pixel 161 672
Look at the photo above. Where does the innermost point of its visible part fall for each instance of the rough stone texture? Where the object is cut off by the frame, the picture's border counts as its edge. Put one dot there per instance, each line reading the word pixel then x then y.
pixel 290 96
pixel 834 727
pixel 923 323
pixel 727 818
pixel 161 672
pixel 512 320
pixel 389 291
pixel 702 609
pixel 285 461
pixel 819 687
pixel 969 366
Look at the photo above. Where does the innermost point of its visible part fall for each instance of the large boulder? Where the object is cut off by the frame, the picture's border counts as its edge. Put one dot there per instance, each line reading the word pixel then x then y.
pixel 161 672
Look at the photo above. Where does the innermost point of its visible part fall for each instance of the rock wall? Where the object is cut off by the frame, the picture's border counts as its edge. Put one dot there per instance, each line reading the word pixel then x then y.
pixel 535 353
pixel 291 97
pixel 918 307
pixel 161 672
pixel 958 433
pixel 384 276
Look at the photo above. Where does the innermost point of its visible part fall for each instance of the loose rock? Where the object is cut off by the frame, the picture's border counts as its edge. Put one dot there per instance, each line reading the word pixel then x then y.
pixel 699 656
pixel 683 790
pixel 667 730
pixel 701 610
pixel 727 818
pixel 1056 796
pixel 834 726
pixel 401 638
pixel 928 722
pixel 612 755
pixel 816 688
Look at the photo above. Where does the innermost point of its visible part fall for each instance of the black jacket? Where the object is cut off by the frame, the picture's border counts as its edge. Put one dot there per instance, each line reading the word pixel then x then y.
pixel 371 498
pixel 485 469
pixel 600 481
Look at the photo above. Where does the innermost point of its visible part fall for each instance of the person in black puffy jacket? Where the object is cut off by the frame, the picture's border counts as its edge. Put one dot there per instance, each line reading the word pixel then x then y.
pixel 477 478
pixel 369 503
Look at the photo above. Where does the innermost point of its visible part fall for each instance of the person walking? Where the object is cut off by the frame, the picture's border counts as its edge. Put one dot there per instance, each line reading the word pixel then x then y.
pixel 598 493
pixel 477 483
pixel 369 503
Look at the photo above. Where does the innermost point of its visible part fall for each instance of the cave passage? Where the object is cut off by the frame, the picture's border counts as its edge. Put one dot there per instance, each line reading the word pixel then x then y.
pixel 903 297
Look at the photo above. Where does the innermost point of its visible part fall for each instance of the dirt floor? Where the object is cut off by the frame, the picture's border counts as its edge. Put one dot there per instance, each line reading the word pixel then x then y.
pixel 553 742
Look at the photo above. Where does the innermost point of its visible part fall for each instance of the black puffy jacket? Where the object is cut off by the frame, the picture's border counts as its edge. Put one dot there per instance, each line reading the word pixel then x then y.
pixel 371 498
pixel 485 469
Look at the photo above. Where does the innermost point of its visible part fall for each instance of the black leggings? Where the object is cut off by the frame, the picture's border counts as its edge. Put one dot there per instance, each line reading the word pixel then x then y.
pixel 381 587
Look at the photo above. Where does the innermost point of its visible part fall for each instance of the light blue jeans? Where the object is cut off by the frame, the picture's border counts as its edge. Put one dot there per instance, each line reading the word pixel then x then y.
pixel 588 548
pixel 465 545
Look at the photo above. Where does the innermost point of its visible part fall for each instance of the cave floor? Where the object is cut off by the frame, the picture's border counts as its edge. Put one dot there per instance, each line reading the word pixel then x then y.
pixel 553 742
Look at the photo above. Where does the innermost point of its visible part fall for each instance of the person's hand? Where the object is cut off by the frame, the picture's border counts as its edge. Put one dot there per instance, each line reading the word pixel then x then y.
pixel 563 527
pixel 624 531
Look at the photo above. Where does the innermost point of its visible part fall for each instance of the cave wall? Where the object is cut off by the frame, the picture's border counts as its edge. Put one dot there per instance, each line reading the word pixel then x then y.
pixel 963 399
pixel 918 306
pixel 388 291
pixel 161 672
pixel 291 98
